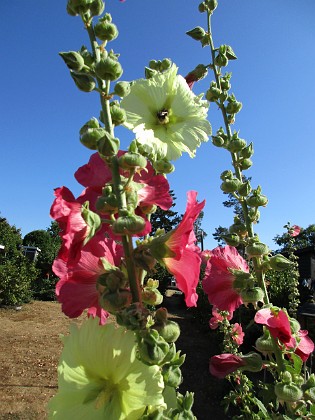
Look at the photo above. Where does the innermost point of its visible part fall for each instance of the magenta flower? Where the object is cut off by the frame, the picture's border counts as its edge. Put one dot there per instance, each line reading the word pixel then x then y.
pixel 76 290
pixel 178 252
pixel 219 280
pixel 305 346
pixel 237 334
pixel 224 364
pixel 278 324
pixel 66 210
pixel 295 230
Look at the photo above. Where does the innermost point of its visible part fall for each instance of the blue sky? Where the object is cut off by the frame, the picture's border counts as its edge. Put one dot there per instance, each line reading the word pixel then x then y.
pixel 42 111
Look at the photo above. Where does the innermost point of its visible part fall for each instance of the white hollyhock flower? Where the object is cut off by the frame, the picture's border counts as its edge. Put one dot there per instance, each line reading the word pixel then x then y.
pixel 166 116
pixel 100 377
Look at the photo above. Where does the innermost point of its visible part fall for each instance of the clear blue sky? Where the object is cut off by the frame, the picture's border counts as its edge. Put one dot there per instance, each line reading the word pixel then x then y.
pixel 42 111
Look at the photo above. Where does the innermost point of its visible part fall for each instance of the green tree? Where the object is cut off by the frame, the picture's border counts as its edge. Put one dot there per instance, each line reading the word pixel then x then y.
pixel 305 238
pixel 16 272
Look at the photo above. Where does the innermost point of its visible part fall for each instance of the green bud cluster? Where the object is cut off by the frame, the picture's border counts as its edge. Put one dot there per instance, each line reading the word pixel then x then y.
pixel 105 30
pixel 87 8
pixel 157 66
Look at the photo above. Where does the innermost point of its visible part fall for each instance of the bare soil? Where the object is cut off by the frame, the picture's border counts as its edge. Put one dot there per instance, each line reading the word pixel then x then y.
pixel 30 348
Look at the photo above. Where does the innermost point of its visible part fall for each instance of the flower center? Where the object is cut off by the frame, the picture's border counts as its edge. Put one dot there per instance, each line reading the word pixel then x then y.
pixel 105 395
pixel 163 116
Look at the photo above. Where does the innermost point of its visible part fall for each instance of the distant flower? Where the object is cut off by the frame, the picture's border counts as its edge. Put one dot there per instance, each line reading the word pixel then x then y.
pixel 237 334
pixel 224 364
pixel 177 251
pixel 100 376
pixel 76 290
pixel 294 230
pixel 166 116
pixel 278 324
pixel 218 317
pixel 218 282
pixel 305 346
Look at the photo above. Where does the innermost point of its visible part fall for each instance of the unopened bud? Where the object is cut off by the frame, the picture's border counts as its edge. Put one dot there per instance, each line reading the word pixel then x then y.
pixel 108 69
pixel 73 60
pixel 131 160
pixel 97 7
pixel 83 82
pixel 152 347
pixel 163 166
pixel 108 145
pixel 128 225
pixel 122 89
pixel 279 262
pixel 197 33
pixel 106 31
pixel 113 302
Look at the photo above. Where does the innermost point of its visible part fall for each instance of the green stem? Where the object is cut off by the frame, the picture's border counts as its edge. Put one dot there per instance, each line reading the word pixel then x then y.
pixel 104 87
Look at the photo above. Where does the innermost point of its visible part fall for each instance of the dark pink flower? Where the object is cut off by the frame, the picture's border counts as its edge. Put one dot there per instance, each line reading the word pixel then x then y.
pixel 218 281
pixel 295 230
pixel 66 210
pixel 76 290
pixel 237 334
pixel 278 324
pixel 224 364
pixel 218 317
pixel 178 252
pixel 305 346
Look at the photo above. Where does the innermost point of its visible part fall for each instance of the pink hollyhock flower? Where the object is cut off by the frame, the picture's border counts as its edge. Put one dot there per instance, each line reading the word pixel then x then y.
pixel 278 324
pixel 218 317
pixel 237 334
pixel 305 346
pixel 295 230
pixel 177 251
pixel 218 281
pixel 66 210
pixel 224 364
pixel 76 290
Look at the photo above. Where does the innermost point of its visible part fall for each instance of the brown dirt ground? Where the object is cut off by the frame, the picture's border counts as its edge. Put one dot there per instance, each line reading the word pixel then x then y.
pixel 30 348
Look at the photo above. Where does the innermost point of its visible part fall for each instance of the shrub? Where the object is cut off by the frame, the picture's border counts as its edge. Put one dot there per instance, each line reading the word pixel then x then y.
pixel 16 276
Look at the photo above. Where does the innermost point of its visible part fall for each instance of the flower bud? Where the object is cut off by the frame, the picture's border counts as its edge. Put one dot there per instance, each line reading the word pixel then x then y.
pixel 152 347
pixel 288 392
pixel 238 227
pixel 114 279
pixel 122 89
pixel 108 204
pixel 264 344
pixel 163 166
pixel 87 56
pixel 169 330
pixel 257 249
pixel 97 7
pixel 233 106
pixel 149 209
pixel 143 258
pixel 134 317
pixel 113 302
pixel 279 262
pixel 76 7
pixel 118 114
pixel 310 383
pixel 131 160
pixel 254 215
pixel 218 141
pixel 149 73
pixel 108 69
pixel 128 225
pixel 213 93
pixel 197 33
pixel 108 145
pixel 253 362
pixel 89 137
pixel 245 164
pixel 172 376
pixel 83 82
pixel 221 60
pixel 202 7
pixel 151 296
pixel 165 64
pixel 244 189
pixel 253 295
pixel 247 152
pixel 257 199
pixel 105 30
pixel 231 239
pixel 230 185
pixel 73 60
pixel 236 144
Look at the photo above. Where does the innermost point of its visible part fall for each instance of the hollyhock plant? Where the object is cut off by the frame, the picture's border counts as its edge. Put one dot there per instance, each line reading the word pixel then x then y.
pixel 278 324
pixel 295 230
pixel 237 334
pixel 100 376
pixel 177 251
pixel 76 290
pixel 166 116
pixel 218 282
